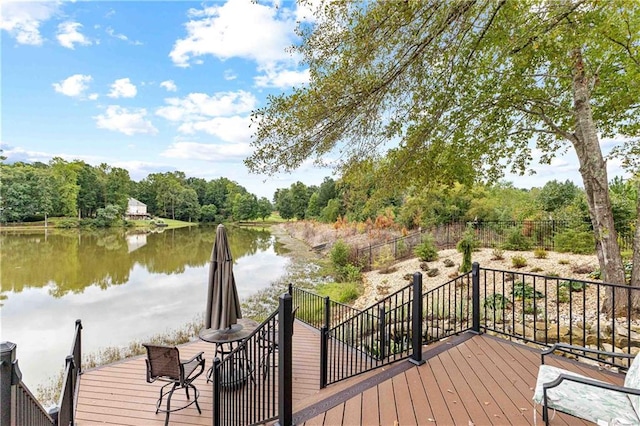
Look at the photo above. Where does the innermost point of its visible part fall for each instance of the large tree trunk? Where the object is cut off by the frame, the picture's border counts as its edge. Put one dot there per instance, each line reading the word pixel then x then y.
pixel 593 169
pixel 635 269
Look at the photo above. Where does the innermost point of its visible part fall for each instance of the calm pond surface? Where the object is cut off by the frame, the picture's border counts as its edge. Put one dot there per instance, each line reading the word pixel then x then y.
pixel 123 285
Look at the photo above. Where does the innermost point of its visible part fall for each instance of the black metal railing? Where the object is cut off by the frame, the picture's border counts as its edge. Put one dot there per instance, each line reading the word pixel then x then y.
pixel 540 233
pixel 385 332
pixel 399 247
pixel 316 310
pixel 546 309
pixel 252 384
pixel 448 309
pixel 20 407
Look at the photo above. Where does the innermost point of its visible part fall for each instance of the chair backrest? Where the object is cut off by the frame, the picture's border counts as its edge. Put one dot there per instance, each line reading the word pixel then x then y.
pixel 162 361
pixel 632 380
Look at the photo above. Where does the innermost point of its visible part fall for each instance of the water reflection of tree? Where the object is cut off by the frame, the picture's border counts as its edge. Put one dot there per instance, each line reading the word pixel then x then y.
pixel 69 260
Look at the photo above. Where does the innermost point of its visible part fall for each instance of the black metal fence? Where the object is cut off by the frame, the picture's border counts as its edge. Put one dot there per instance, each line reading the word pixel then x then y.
pixel 252 384
pixel 317 310
pixel 539 233
pixel 20 407
pixel 517 305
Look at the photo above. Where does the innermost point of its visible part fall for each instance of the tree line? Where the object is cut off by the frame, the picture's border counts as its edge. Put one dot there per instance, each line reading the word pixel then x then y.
pixel 32 191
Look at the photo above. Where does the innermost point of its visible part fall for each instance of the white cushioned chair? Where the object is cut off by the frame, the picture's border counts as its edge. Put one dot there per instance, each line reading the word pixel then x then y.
pixel 593 400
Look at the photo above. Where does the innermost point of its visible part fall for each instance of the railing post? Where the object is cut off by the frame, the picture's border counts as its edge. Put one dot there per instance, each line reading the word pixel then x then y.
pixel 324 355
pixel 416 320
pixel 285 333
pixel 216 391
pixel 77 354
pixel 382 325
pixel 327 312
pixel 290 289
pixel 7 361
pixel 475 288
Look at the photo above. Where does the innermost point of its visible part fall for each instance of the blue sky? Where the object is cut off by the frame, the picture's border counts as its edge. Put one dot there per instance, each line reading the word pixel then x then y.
pixel 158 86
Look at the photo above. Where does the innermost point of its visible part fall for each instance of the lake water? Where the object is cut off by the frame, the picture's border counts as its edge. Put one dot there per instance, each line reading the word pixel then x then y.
pixel 123 285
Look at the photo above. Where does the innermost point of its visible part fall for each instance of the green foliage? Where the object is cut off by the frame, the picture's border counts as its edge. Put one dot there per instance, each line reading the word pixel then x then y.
pixel 67 223
pixel 495 301
pixel 108 216
pixel 556 195
pixel 497 254
pixel 426 250
pixel 572 285
pixel 465 246
pixel 522 290
pixel 628 266
pixel 574 241
pixel 331 212
pixel 518 261
pixel 517 241
pixel 208 213
pixel 540 253
pixel 384 260
pixel 345 292
pixel 339 254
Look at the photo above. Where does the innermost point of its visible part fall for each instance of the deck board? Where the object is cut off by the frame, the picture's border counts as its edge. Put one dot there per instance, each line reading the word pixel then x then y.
pixel 480 380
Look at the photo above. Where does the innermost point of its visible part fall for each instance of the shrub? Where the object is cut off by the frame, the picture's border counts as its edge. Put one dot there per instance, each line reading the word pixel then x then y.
pixel 496 301
pixel 518 261
pixel 384 260
pixel 401 248
pixel 350 273
pixel 573 241
pixel 523 290
pixel 572 285
pixel 540 253
pixel 536 269
pixel 563 262
pixel 340 292
pixel 426 250
pixel 516 241
pixel 497 254
pixel 465 246
pixel 67 223
pixel 339 254
pixel 563 294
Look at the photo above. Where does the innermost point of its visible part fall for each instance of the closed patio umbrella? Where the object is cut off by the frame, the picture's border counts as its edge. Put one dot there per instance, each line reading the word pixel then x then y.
pixel 223 304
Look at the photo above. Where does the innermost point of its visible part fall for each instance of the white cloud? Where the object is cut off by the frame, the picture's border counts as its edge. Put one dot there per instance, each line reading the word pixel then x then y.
pixel 73 86
pixel 68 35
pixel 170 85
pixel 230 30
pixel 22 19
pixel 281 78
pixel 93 96
pixel 110 31
pixel 200 106
pixel 229 129
pixel 124 120
pixel 230 75
pixel 123 88
pixel 207 151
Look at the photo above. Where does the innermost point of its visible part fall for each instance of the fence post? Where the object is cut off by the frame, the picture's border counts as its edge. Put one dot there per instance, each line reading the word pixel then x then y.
pixel 382 324
pixel 290 289
pixel 327 312
pixel 285 333
pixel 216 391
pixel 475 288
pixel 7 362
pixel 77 354
pixel 324 355
pixel 416 320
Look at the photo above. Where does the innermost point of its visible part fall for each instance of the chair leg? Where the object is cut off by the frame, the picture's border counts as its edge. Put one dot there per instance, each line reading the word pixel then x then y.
pixel 169 395
pixel 195 397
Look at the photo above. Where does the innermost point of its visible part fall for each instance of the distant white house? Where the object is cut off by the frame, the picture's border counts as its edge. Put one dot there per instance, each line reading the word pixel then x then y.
pixel 136 209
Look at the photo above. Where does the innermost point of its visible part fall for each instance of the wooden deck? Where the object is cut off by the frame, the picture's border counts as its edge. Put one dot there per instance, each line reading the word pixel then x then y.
pixel 468 379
